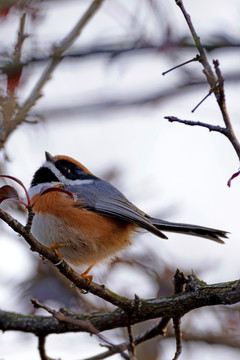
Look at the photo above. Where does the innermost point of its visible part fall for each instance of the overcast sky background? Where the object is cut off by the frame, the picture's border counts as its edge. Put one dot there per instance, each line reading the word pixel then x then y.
pixel 164 168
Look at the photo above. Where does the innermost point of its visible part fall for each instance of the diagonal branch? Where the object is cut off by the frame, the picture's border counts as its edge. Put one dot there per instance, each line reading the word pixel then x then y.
pixel 63 267
pixel 216 82
pixel 56 58
pixel 203 58
pixel 197 294
pixel 83 325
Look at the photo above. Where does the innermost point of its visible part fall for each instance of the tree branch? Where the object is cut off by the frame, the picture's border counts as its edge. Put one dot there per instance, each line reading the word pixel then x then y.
pixel 203 58
pixel 198 294
pixel 63 267
pixel 83 326
pixel 216 85
pixel 41 348
pixel 197 123
pixel 55 59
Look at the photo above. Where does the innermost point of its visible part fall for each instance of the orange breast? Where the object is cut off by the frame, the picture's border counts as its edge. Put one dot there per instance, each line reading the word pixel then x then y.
pixel 90 237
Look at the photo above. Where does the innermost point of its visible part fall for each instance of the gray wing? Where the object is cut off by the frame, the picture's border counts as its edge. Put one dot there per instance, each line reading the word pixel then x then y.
pixel 103 198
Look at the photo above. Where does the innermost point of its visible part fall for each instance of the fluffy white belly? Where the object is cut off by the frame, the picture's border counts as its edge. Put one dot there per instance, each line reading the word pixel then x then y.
pixel 49 230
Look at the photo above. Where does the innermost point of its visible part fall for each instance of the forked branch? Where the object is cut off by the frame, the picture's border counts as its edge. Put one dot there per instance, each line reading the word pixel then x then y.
pixel 216 82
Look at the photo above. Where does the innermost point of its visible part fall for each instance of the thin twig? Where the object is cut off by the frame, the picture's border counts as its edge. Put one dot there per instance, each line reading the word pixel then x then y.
pixel 54 62
pixel 178 337
pixel 196 58
pixel 197 123
pixel 131 347
pixel 179 283
pixel 56 58
pixel 205 97
pixel 41 348
pixel 222 104
pixel 82 325
pixel 203 58
pixel 216 85
pixel 20 40
pixel 155 331
pixel 160 329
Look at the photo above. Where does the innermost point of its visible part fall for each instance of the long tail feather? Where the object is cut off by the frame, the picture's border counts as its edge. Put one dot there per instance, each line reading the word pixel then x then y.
pixel 195 230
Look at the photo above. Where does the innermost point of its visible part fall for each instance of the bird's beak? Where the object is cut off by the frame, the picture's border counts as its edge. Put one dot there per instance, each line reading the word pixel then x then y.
pixel 49 157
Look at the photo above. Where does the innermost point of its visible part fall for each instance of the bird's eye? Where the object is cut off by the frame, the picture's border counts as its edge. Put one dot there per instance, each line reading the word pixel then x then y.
pixel 67 170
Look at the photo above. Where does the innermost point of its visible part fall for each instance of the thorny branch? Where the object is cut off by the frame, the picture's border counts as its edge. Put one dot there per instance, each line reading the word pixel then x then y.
pixel 216 83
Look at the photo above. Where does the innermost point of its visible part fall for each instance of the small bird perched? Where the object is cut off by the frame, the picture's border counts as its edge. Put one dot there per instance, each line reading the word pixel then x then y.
pixel 99 222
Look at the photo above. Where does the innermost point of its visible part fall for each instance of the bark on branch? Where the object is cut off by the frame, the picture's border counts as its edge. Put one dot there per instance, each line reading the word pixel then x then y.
pixel 196 295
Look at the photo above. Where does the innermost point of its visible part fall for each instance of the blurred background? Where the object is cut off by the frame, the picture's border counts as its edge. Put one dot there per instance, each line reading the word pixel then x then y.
pixel 105 105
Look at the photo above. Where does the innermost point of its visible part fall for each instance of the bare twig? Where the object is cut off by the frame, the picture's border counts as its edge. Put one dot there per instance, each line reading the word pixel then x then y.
pixel 19 116
pixel 178 337
pixel 196 58
pixel 131 346
pixel 21 38
pixel 205 97
pixel 216 85
pixel 179 283
pixel 197 123
pixel 41 348
pixel 82 325
pixel 203 58
pixel 222 105
pixel 56 59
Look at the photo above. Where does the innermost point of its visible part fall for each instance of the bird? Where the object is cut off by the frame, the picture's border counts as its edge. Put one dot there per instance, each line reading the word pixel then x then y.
pixel 98 221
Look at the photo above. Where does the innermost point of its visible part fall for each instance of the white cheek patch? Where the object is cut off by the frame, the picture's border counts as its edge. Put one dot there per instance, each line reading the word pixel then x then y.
pixel 62 178
pixel 53 169
pixel 79 181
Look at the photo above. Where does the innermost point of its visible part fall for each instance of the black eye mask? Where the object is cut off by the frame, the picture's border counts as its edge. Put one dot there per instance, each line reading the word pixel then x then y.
pixel 43 175
pixel 72 171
